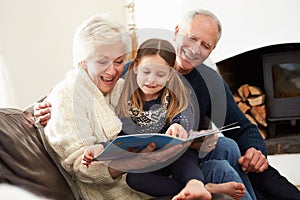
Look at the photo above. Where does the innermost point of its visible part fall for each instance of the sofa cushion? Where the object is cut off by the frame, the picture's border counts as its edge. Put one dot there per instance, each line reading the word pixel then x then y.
pixel 24 160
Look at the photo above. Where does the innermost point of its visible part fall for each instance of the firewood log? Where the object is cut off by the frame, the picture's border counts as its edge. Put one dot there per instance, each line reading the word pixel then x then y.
pixel 251 119
pixel 236 97
pixel 259 114
pixel 244 107
pixel 243 91
pixel 255 90
pixel 255 101
pixel 263 132
pixel 251 101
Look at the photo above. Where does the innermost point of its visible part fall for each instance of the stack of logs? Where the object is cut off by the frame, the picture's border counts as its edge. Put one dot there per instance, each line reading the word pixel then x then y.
pixel 251 101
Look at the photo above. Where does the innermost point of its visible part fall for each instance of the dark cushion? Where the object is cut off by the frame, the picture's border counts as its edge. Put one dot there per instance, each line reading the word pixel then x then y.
pixel 24 160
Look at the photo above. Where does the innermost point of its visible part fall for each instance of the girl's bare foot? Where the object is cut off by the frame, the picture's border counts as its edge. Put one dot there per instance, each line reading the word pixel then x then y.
pixel 234 189
pixel 193 190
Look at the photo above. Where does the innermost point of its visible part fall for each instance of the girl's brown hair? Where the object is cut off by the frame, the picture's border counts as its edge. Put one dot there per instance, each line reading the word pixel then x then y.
pixel 132 95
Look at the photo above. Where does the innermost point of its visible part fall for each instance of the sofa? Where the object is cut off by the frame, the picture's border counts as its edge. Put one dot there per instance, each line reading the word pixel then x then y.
pixel 29 164
pixel 25 160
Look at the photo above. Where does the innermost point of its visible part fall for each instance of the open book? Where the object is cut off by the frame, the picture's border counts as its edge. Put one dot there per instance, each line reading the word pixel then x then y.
pixel 128 145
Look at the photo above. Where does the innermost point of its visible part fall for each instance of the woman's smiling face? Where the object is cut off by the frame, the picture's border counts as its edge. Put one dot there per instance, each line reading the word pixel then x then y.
pixel 106 65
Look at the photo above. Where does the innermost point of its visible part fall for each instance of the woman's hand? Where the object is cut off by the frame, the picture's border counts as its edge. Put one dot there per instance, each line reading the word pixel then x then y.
pixel 42 112
pixel 176 130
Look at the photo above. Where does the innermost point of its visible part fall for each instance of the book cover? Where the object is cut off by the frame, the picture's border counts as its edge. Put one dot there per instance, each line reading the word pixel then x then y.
pixel 126 146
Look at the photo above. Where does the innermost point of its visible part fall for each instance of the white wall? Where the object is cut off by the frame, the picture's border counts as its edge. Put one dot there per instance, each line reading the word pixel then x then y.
pixel 247 24
pixel 36 35
pixel 36 41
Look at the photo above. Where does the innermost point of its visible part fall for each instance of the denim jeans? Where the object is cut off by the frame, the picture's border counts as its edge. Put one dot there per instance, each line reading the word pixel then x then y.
pixel 221 165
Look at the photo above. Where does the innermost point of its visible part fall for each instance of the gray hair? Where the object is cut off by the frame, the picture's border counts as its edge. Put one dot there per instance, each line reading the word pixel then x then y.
pixel 189 16
pixel 93 32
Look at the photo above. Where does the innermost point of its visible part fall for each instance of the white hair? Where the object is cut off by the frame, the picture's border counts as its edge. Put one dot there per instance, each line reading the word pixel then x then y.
pixel 189 16
pixel 93 32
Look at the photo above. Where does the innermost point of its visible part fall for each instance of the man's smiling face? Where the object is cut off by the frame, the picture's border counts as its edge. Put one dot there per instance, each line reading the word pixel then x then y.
pixel 194 42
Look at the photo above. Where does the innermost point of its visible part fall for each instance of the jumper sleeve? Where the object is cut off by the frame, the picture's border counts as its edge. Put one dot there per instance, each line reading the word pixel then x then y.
pixel 185 119
pixel 71 129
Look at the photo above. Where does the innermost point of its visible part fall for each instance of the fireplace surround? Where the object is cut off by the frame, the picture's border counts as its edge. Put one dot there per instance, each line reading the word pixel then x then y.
pixel 275 70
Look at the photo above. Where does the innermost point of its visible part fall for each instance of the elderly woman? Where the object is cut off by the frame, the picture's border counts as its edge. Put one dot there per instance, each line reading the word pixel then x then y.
pixel 83 110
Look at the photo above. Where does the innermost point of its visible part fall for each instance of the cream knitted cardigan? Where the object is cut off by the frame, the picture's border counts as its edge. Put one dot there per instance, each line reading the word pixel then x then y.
pixel 82 116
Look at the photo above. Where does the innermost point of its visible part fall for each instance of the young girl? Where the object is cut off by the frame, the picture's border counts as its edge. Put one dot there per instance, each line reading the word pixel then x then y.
pixel 154 100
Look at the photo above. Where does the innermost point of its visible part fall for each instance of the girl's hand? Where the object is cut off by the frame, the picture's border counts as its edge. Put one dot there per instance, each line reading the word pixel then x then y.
pixel 88 157
pixel 90 153
pixel 176 130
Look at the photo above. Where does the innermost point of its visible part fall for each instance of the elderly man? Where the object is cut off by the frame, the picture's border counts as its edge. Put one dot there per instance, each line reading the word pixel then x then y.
pixel 195 39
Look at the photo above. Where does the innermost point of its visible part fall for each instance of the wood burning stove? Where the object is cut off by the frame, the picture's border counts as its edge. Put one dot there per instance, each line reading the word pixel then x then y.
pixel 274 69
pixel 281 72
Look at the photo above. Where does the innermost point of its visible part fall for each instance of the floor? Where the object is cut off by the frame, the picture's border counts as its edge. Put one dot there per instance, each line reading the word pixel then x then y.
pixel 284 152
pixel 287 165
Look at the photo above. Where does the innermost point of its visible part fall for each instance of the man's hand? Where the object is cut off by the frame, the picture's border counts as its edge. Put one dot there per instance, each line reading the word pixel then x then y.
pixel 206 144
pixel 253 161
pixel 42 112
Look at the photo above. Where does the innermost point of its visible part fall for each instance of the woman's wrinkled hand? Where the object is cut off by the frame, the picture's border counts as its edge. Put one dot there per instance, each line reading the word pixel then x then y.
pixel 42 112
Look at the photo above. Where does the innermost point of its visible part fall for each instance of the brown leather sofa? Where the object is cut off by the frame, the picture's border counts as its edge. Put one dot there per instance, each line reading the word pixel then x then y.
pixel 24 160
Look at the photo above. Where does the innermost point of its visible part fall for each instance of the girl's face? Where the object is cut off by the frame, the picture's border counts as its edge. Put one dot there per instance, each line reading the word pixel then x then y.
pixel 106 65
pixel 152 74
